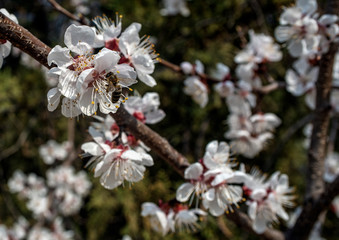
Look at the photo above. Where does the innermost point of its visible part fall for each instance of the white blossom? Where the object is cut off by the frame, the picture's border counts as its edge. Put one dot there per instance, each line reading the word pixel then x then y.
pixel 174 7
pixel 5 46
pixel 198 90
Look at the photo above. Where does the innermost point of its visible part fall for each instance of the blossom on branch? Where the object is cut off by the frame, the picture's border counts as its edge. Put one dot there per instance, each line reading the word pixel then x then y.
pixel 171 216
pixel 5 46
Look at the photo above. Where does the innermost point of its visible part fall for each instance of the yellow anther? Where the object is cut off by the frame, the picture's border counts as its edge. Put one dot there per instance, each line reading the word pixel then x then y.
pixel 92 102
pixel 118 71
pixel 126 98
pixel 117 106
pixel 130 89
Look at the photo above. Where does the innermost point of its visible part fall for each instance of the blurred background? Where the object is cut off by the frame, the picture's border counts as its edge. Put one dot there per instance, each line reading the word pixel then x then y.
pixel 213 32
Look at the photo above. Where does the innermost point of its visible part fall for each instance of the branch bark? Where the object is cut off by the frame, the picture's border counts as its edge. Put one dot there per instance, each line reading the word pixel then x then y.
pixel 24 40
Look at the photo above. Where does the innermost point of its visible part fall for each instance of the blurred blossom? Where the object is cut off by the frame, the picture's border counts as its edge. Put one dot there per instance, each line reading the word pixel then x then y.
pixel 331 167
pixel 171 216
pixel 225 87
pixel 174 7
pixel 303 78
pixel 52 151
pixel 249 133
pixel 305 33
pixel 198 90
pixel 266 199
pixel 5 46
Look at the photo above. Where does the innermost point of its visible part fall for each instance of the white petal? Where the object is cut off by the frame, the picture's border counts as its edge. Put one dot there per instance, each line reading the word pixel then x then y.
pixel 92 148
pixel 184 192
pixel 106 59
pixel 79 34
pixel 146 78
pixel 53 97
pixel 194 171
pixel 88 103
pixel 60 56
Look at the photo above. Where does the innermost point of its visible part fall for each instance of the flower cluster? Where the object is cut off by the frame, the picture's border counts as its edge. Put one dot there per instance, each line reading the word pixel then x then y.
pixel 60 195
pixel 64 188
pixel 221 188
pixel 195 86
pixel 170 216
pixel 308 37
pixel 116 155
pixel 52 151
pixel 5 46
pixel 173 7
pixel 17 232
pixel 249 132
pixel 266 199
pixel 214 180
pixel 87 80
pixel 306 34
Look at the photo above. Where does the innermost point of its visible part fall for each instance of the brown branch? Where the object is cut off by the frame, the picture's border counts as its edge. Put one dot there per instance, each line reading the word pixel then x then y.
pixel 311 212
pixel 62 10
pixel 315 187
pixel 152 139
pixel 25 41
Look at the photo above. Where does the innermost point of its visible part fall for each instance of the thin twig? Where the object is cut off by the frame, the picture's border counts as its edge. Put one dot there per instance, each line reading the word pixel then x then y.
pixel 62 10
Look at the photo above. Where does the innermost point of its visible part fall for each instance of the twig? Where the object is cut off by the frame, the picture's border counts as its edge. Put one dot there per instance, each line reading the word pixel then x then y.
pixel 62 10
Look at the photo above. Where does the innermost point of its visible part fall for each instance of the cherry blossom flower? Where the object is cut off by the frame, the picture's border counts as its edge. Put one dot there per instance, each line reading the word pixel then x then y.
pixel 196 186
pixel 114 163
pixel 303 79
pixel 79 40
pixel 5 46
pixel 171 216
pixel 225 87
pixel 94 85
pixel 198 90
pixel 298 28
pixel 139 53
pixel 160 222
pixel 145 109
pixel 52 151
pixel 267 199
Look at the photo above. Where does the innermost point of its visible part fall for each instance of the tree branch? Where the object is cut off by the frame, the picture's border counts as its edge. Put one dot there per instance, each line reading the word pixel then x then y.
pixel 24 40
pixel 152 139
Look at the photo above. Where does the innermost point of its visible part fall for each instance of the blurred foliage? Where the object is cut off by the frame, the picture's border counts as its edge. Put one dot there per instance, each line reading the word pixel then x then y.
pixel 212 34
